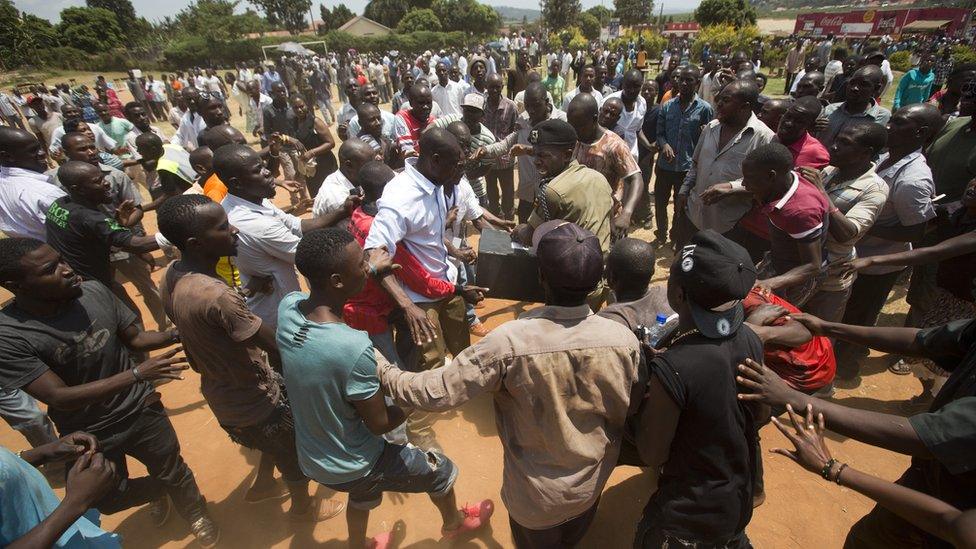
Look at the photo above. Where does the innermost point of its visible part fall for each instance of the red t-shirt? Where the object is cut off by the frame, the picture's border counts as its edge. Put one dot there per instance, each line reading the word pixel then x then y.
pixel 369 309
pixel 808 367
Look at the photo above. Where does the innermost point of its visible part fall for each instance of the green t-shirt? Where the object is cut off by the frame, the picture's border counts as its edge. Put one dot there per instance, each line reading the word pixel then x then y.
pixel 952 158
pixel 327 367
pixel 117 129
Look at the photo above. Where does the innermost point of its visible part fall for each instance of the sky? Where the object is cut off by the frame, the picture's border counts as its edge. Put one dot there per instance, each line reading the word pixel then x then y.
pixel 155 9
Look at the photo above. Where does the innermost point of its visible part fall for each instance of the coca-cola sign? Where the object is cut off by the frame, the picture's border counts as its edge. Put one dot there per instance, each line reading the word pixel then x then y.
pixel 834 21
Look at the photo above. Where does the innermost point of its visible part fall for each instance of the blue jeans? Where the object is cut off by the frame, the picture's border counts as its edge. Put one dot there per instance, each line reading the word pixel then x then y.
pixel 401 468
pixel 384 344
pixel 21 412
pixel 465 275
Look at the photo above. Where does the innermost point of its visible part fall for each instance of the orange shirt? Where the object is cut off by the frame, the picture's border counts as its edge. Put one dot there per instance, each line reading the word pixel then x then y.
pixel 215 189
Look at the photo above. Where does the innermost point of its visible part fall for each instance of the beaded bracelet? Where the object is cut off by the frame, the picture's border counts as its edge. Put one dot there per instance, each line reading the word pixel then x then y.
pixel 839 471
pixel 825 472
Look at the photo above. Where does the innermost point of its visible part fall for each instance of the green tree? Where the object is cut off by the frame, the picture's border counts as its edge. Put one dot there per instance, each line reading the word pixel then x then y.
pixel 290 14
pixel 603 14
pixel 215 21
pixel 589 25
pixel 23 36
pixel 738 13
pixel 419 20
pixel 633 12
pixel 125 14
pixel 560 14
pixel 466 15
pixel 387 12
pixel 334 18
pixel 93 30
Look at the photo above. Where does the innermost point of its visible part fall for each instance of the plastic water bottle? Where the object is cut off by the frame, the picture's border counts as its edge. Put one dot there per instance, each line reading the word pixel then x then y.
pixel 657 332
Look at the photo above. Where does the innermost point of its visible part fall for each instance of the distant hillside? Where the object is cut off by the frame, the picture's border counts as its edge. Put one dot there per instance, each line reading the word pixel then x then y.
pixel 509 13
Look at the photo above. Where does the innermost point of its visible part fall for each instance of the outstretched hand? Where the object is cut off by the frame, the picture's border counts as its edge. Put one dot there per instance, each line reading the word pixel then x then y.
pixel 810 448
pixel 760 383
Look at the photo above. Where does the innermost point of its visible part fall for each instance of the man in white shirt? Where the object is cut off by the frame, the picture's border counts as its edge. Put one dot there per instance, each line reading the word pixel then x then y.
pixel 25 192
pixel 567 62
pixel 71 112
pixel 632 117
pixel 254 107
pixel 335 189
pixel 447 94
pixel 834 67
pixel 413 213
pixel 192 122
pixel 587 77
pixel 268 236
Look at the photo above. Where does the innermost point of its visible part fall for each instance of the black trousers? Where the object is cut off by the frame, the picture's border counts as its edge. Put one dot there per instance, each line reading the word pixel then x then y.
pixel 564 536
pixel 868 296
pixel 149 437
pixel 666 184
pixel 501 203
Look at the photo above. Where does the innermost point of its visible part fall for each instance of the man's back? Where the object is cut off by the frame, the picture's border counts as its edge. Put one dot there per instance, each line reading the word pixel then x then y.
pixel 560 407
pixel 705 489
pixel 328 366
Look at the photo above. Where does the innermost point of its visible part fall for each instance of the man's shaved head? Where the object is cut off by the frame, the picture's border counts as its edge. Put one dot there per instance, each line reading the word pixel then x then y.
pixel 353 149
pixel 582 105
pixel 219 136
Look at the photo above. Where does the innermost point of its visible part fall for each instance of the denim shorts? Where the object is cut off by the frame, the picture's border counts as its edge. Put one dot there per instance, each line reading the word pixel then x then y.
pixel 401 468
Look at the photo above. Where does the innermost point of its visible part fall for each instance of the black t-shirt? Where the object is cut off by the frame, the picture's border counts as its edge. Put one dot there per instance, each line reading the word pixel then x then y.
pixel 80 345
pixel 705 489
pixel 85 238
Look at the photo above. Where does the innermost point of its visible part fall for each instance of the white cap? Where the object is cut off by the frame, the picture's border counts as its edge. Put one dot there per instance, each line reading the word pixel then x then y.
pixel 475 100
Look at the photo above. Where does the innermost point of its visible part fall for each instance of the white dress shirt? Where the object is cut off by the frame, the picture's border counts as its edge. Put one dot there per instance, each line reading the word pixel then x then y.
pixel 268 240
pixel 469 209
pixel 630 121
pixel 186 135
pixel 332 194
pixel 413 211
pixel 448 97
pixel 25 197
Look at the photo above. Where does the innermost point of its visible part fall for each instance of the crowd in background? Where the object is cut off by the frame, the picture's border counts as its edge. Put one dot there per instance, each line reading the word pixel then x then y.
pixel 792 218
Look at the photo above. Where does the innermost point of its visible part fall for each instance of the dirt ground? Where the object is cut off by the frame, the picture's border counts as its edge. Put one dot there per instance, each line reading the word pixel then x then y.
pixel 801 510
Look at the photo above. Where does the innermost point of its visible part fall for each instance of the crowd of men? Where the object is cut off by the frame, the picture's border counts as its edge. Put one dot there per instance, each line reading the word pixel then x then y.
pixel 792 222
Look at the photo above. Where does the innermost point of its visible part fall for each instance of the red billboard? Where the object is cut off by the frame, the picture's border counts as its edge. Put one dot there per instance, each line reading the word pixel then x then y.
pixel 879 22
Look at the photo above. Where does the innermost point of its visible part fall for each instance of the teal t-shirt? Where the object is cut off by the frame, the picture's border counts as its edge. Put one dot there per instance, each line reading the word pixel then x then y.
pixel 327 367
pixel 26 500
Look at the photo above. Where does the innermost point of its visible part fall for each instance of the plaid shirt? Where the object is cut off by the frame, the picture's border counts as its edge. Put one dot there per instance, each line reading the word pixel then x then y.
pixel 500 120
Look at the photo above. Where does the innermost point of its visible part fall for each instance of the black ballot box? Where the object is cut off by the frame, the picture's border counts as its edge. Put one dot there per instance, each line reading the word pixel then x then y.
pixel 509 271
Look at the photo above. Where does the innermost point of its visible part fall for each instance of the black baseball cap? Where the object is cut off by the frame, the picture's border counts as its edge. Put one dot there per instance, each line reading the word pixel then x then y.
pixel 716 275
pixel 570 257
pixel 553 133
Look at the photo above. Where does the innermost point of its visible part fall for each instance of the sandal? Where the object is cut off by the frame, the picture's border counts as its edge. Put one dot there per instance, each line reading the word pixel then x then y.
pixel 900 368
pixel 475 516
pixel 391 539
